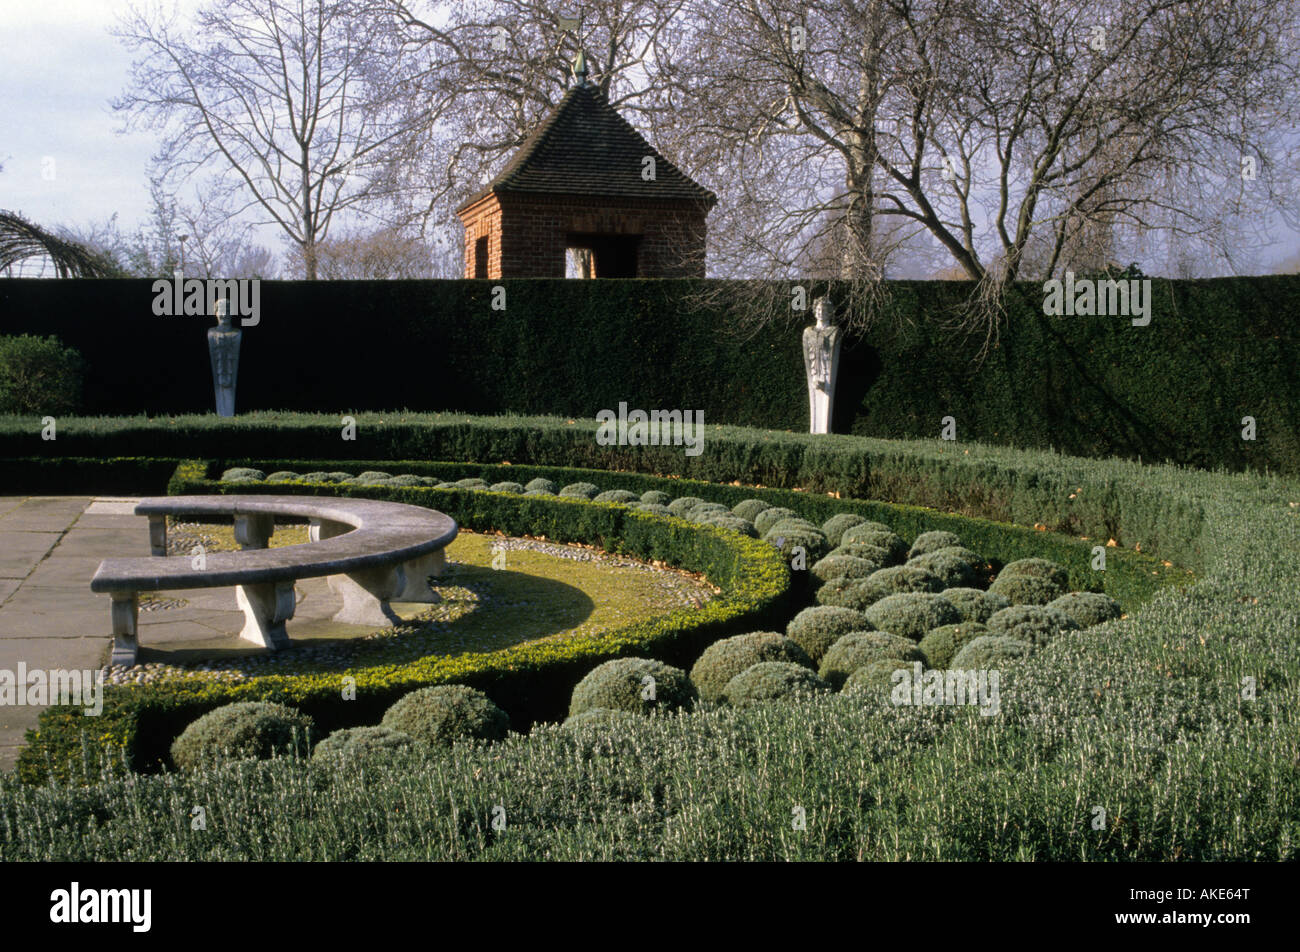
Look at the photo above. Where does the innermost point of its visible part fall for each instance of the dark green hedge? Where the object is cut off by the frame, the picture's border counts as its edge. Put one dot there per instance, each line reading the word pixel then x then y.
pixel 1214 352
pixel 1119 501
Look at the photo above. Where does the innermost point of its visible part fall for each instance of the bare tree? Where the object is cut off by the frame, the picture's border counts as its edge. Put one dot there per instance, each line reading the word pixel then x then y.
pixel 1003 128
pixel 284 96
pixel 384 254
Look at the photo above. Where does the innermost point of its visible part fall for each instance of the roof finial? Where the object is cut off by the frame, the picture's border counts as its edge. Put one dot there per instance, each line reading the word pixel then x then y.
pixel 580 68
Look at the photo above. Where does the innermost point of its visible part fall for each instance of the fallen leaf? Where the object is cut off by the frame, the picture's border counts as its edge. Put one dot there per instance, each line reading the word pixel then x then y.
pixel 1111 544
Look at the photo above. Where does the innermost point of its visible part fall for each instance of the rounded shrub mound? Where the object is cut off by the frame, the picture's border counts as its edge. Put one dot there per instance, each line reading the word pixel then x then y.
pixel 538 492
pixel 317 477
pixel 772 681
pixel 1026 589
pixel 857 648
pixel 580 491
pixel 834 527
pixel 702 511
pixel 955 572
pixel 446 485
pixel 861 550
pixel 445 713
pixel 750 508
pixel 1037 568
pixel 651 508
pixel 854 593
pixel 868 534
pixel 507 487
pixel 354 742
pixel 771 516
pixel 912 614
pixel 940 645
pixel 725 659
pixel 406 479
pixel 988 651
pixel 639 685
pixel 372 476
pixel 540 485
pixel 876 677
pixel 728 521
pixel 812 542
pixel 246 729
pixel 928 542
pixel 1036 624
pixel 682 505
pixel 815 629
pixel 244 474
pixel 900 578
pixel 472 483
pixel 843 566
pixel 282 476
pixel 975 604
pixel 792 525
pixel 605 717
pixel 656 498
pixel 617 495
pixel 1087 608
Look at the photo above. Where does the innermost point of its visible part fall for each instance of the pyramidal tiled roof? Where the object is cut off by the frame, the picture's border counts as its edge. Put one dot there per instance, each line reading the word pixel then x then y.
pixel 584 147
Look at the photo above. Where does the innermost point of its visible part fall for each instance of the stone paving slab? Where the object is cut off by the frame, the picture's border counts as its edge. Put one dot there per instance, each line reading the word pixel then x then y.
pixel 50 548
pixel 20 552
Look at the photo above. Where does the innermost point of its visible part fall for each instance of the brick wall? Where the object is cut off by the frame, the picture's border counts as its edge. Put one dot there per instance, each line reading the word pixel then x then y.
pixel 527 234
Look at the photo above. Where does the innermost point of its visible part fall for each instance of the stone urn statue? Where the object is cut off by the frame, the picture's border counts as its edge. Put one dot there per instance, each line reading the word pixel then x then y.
pixel 821 357
pixel 223 348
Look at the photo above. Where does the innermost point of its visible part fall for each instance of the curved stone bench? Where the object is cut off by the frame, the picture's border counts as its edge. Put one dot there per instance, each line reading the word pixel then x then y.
pixel 373 553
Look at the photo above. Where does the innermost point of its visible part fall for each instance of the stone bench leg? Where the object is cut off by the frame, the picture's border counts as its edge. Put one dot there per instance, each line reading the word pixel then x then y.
pixel 254 531
pixel 158 535
pixel 366 594
pixel 126 616
pixel 416 582
pixel 325 529
pixel 267 606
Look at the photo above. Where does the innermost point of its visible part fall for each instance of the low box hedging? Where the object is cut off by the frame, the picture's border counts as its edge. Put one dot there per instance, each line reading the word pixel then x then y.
pixel 530 682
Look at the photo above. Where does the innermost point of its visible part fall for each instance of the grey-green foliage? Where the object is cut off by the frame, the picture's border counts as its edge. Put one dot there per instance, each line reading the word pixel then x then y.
pixel 1037 624
pixel 639 685
pixel 242 474
pixel 445 713
pixel 1087 608
pixel 750 508
pixel 1026 589
pixel 928 542
pixel 974 604
pixel 772 681
pixel 857 648
pixel 656 498
pixel 988 651
pixel 770 517
pixel 617 495
pixel 353 743
pixel 940 645
pixel 540 485
pixel 726 658
pixel 507 487
pixel 245 729
pixel 912 614
pixel 683 505
pixel 816 628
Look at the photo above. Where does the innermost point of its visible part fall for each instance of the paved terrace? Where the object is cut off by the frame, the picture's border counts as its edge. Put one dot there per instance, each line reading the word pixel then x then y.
pixel 50 547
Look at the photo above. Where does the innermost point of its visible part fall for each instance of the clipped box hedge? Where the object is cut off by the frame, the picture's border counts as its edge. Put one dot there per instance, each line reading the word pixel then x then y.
pixel 531 681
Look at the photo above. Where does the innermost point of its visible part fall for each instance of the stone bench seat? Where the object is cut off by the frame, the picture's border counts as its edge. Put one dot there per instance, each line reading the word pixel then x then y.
pixel 373 552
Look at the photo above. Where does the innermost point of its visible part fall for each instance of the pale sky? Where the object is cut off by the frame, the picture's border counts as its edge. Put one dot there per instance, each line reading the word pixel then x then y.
pixel 64 159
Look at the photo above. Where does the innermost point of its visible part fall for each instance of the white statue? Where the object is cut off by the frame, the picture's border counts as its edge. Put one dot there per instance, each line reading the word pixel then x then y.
pixel 821 357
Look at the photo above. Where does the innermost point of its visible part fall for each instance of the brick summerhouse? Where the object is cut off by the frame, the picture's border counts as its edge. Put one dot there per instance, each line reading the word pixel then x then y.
pixel 586 179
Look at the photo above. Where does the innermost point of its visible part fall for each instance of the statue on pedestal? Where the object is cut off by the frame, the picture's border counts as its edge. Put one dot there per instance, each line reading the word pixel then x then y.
pixel 223 348
pixel 821 357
